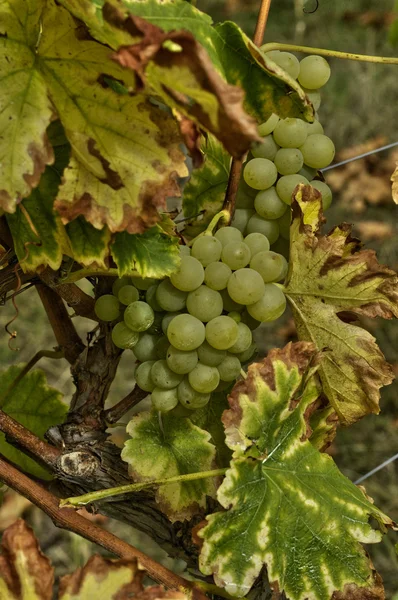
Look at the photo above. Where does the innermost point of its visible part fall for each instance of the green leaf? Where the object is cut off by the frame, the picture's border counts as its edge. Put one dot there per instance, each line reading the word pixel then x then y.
pixel 25 109
pixel 89 246
pixel 330 276
pixel 153 253
pixel 287 506
pixel 170 448
pixel 209 419
pixel 33 404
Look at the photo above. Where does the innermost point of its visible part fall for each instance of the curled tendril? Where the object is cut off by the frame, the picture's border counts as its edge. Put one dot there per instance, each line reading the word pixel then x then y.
pixel 310 12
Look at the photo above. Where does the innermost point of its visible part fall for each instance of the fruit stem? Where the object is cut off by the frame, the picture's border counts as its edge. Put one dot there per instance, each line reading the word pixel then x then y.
pixel 387 60
pixel 222 215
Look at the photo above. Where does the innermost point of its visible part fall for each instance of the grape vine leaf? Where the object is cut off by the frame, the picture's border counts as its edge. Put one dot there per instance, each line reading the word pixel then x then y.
pixel 209 419
pixel 329 276
pixel 35 405
pixel 89 246
pixel 167 449
pixel 287 506
pixel 394 179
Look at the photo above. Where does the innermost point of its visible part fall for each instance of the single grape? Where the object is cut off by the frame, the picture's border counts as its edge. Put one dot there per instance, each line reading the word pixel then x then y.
pixel 314 72
pixel 290 133
pixel 229 304
pixel 266 149
pixel 143 376
pixel 314 97
pixel 236 255
pixel 235 316
pixel 204 379
pixel 185 250
pixel 118 284
pixel 288 161
pixel 245 195
pixel 270 265
pixel 207 249
pixel 229 369
pixel 107 308
pixel 326 192
pixel 286 186
pixel 144 349
pixel 312 128
pixel 268 228
pixel 260 173
pixel 169 298
pixel 150 298
pixel 257 242
pixel 287 61
pixel 139 316
pixel 186 332
pixel 318 151
pixel 128 294
pixel 284 225
pixel 167 319
pixel 307 172
pixel 164 400
pixel 222 332
pixel 189 276
pixel 181 362
pixel 209 355
pixel 268 204
pixel 217 275
pixel 204 303
pixel 123 337
pixel 143 283
pixel 241 218
pixel 271 306
pixel 249 321
pixel 161 347
pixel 245 286
pixel 228 234
pixel 269 125
pixel 247 354
pixel 163 377
pixel 190 398
pixel 180 412
pixel 244 340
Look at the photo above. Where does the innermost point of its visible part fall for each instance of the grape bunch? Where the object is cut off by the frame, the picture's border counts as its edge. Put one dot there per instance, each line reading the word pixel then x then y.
pixel 291 152
pixel 191 332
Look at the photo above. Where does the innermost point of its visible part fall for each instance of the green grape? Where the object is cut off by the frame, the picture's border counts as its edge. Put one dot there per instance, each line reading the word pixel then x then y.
pixel 245 286
pixel 325 191
pixel 229 304
pixel 123 337
pixel 288 161
pixel 312 128
pixel 244 340
pixel 222 332
pixel 260 173
pixel 268 204
pixel 156 327
pixel 286 61
pixel 290 133
pixel 167 319
pixel 209 355
pixel 144 349
pixel 284 225
pixel 150 298
pixel 204 303
pixel 107 308
pixel 266 149
pixel 163 377
pixel 286 186
pixel 207 249
pixel 228 234
pixel 247 354
pixel 190 398
pixel 269 125
pixel 189 276
pixel 268 228
pixel 186 332
pixel 185 250
pixel 241 218
pixel 143 376
pixel 118 284
pixel 257 242
pixel 180 412
pixel 235 316
pixel 204 379
pixel 245 195
pixel 164 400
pixel 143 283
pixel 229 369
pixel 314 72
pixel 128 294
pixel 217 275
pixel 161 347
pixel 139 316
pixel 315 99
pixel 249 321
pixel 236 255
pixel 169 298
pixel 181 362
pixel 271 306
pixel 308 172
pixel 318 151
pixel 270 265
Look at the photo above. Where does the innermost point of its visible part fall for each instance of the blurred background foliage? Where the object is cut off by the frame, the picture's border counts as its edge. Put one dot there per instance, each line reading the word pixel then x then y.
pixel 359 112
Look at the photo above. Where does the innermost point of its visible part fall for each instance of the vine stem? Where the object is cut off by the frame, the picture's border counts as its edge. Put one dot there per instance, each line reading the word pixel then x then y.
pixel 72 521
pixel 386 60
pixel 136 487
pixel 113 414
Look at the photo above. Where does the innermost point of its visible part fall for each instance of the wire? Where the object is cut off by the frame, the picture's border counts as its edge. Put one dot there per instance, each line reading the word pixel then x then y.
pixel 344 162
pixel 376 469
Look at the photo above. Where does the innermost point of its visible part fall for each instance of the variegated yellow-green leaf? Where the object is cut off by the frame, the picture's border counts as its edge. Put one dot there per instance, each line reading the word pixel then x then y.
pixel 328 276
pixel 25 109
pixel 167 449
pixel 89 246
pixel 287 506
pixel 33 404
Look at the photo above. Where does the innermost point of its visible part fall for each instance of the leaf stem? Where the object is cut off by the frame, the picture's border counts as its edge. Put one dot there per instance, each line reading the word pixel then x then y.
pixel 135 487
pixel 387 60
pixel 222 215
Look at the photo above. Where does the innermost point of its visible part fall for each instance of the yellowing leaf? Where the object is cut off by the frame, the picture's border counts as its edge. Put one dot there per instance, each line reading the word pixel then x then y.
pixel 174 447
pixel 286 505
pixel 329 276
pixel 25 109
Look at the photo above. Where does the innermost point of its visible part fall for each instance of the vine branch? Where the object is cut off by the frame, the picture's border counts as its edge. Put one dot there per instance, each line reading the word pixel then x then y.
pixel 386 60
pixel 82 303
pixel 112 415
